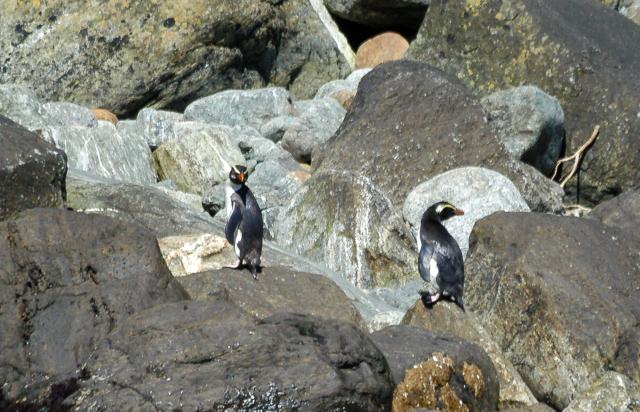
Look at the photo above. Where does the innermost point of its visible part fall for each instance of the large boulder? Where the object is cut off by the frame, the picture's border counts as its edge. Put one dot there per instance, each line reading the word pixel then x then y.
pixel 380 13
pixel 550 287
pixel 478 192
pixel 214 356
pixel 382 48
pixel 437 370
pixel 589 68
pixel 612 392
pixel 410 122
pixel 278 289
pixel 345 221
pixel 530 124
pixel 622 211
pixel 32 171
pixel 67 280
pixel 192 162
pixel 446 317
pixel 144 205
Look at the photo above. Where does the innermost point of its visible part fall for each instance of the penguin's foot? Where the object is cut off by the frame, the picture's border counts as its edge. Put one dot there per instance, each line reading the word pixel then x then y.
pixel 254 271
pixel 429 299
pixel 238 265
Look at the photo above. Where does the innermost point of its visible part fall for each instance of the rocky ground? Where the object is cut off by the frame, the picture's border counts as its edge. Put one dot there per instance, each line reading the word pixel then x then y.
pixel 352 117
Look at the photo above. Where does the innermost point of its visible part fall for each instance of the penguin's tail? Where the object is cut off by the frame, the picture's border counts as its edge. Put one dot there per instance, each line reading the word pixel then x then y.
pixel 254 265
pixel 458 301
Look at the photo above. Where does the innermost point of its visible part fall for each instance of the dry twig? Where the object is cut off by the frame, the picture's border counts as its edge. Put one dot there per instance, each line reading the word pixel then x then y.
pixel 576 157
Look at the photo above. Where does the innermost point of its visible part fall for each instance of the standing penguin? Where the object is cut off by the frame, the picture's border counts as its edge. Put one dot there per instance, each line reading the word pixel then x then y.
pixel 440 260
pixel 244 219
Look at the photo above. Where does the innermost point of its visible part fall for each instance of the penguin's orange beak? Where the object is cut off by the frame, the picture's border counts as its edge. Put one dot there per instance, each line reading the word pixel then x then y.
pixel 458 212
pixel 242 177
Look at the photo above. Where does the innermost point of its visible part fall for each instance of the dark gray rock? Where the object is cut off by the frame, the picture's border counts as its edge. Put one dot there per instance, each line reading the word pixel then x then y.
pixel 68 279
pixel 555 45
pixel 278 289
pixel 345 221
pixel 530 124
pixel 622 211
pixel 32 171
pixel 220 358
pixel 144 205
pixel 380 13
pixel 410 122
pixel 452 370
pixel 550 287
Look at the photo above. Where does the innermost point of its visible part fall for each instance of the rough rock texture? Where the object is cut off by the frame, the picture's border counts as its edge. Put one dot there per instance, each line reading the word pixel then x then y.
pixel 492 45
pixel 530 124
pixel 437 370
pixel 538 407
pixel 549 287
pixel 349 84
pixel 32 171
pixel 104 114
pixel 317 123
pixel 67 114
pixel 241 107
pixel 278 289
pixel 346 222
pixel 381 48
pixel 380 13
pixel 220 358
pixel 445 317
pixel 311 51
pixel 157 126
pixel 188 254
pixel 102 150
pixel 622 211
pixel 67 280
pixel 611 393
pixel 410 122
pixel 479 192
pixel 145 205
pixel 192 163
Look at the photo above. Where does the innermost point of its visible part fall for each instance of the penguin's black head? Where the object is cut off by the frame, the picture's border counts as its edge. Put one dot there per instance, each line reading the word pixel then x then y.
pixel 238 175
pixel 442 211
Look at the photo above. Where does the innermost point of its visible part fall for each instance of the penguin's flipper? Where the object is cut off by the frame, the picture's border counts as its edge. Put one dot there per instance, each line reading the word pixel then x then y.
pixel 234 220
pixel 424 261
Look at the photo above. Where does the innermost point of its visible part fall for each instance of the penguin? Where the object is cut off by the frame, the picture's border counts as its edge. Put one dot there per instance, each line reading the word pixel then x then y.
pixel 440 260
pixel 244 227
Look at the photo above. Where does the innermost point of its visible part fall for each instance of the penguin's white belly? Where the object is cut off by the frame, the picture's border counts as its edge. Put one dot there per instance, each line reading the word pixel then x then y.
pixel 433 270
pixel 237 242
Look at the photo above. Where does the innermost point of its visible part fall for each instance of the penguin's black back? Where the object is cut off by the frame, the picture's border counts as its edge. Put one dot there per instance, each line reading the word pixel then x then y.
pixel 251 226
pixel 447 255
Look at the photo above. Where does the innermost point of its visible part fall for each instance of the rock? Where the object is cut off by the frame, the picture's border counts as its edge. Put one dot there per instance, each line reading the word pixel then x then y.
pixel 104 114
pixel 622 211
pixel 67 280
pixel 67 114
pixel 411 121
pixel 349 84
pixel 549 287
pixel 479 192
pixel 312 49
pixel 345 221
pixel 189 200
pixel 382 48
pixel 257 149
pixel 538 407
pixel 380 13
pixel 191 161
pixel 432 369
pixel 590 70
pixel 275 128
pixel 20 104
pixel 144 205
pixel 632 11
pixel 241 107
pixel 612 392
pixel 344 97
pixel 318 122
pixel 278 289
pixel 530 124
pixel 188 254
pixel 220 358
pixel 32 171
pixel 157 126
pixel 102 150
pixel 160 55
pixel 445 317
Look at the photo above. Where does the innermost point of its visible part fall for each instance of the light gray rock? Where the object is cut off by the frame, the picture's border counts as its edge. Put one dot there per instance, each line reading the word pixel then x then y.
pixel 346 222
pixel 191 161
pixel 68 114
pixel 102 150
pixel 530 124
pixel 275 128
pixel 319 120
pixel 241 107
pixel 350 83
pixel 476 190
pixel 613 392
pixel 21 104
pixel 157 126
